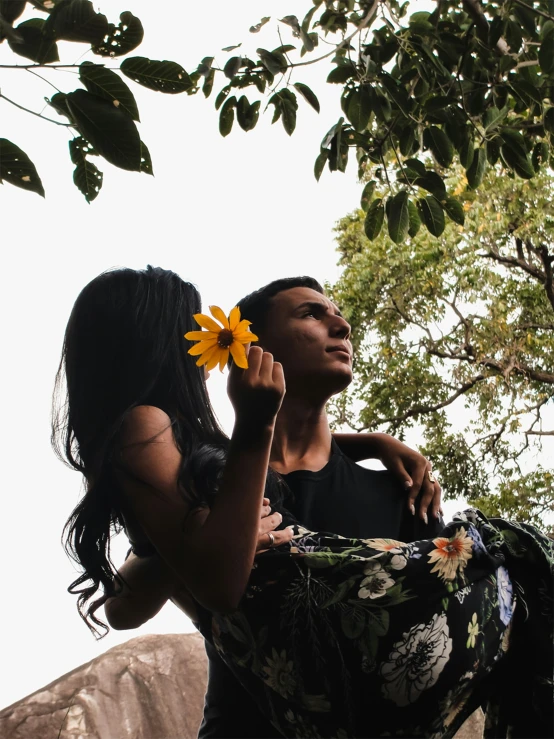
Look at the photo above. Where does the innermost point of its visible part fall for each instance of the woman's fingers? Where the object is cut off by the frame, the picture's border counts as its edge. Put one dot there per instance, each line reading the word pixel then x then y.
pixel 266 542
pixel 270 523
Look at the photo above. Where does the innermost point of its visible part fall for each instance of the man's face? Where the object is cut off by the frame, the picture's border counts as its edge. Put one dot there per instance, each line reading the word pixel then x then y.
pixel 307 334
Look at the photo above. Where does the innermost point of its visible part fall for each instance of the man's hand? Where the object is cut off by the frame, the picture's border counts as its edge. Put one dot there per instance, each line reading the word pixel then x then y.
pixel 415 471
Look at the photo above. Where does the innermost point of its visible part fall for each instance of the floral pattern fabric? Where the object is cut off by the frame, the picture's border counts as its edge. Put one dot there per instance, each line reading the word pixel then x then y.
pixel 348 638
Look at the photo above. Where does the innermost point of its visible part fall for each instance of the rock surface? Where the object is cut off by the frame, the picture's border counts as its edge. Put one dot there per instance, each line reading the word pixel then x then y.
pixel 151 687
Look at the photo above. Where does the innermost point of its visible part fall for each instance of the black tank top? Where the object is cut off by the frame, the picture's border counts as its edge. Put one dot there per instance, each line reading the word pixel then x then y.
pixel 343 498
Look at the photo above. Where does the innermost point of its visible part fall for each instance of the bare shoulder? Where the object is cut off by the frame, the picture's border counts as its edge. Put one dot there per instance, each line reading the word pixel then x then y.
pixel 143 424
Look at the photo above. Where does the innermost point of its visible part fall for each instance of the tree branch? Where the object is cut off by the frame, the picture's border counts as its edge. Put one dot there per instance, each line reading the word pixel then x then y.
pixel 368 17
pixel 534 10
pixel 38 115
pixel 417 410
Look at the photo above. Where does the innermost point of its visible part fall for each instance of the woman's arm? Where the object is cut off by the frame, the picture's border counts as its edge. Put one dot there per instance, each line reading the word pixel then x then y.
pixel 211 555
pixel 147 583
pixel 411 467
pixel 144 586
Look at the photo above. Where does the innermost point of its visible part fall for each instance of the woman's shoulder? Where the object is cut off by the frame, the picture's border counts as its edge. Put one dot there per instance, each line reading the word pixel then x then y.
pixel 144 423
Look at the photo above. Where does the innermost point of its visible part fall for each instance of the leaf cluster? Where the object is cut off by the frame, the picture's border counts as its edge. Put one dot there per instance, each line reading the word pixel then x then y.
pixel 454 336
pixel 103 113
pixel 471 83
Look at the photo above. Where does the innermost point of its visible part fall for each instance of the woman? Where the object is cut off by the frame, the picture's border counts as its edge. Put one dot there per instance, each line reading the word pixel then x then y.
pixel 139 428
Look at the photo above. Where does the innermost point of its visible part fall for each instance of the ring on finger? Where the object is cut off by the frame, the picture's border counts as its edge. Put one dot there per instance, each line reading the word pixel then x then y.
pixel 271 539
pixel 431 476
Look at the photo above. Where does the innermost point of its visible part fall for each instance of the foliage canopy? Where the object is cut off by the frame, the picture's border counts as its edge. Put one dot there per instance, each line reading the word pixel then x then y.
pixel 469 82
pixel 102 114
pixel 456 337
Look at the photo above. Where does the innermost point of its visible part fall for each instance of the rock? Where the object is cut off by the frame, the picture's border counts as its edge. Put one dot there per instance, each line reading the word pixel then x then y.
pixel 151 687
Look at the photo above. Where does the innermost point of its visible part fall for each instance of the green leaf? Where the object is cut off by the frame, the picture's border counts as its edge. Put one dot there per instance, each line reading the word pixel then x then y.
pixel 33 44
pixel 88 179
pixel 17 169
pixel 109 85
pixel 121 39
pixel 76 20
pixel 546 54
pixel 10 10
pixel 341 74
pixel 440 145
pixel 467 152
pixel 247 115
pixel 432 182
pixel 359 108
pixel 308 95
pixel 208 83
pixel 320 163
pixel 79 149
pixel 492 149
pixel 431 214
pixel 476 172
pixel 110 130
pixel 258 26
pixel 493 117
pixel 288 105
pixel 454 209
pixel 417 166
pixel 232 67
pixel 398 217
pixel 374 219
pixel 367 195
pixel 415 220
pixel 145 160
pixel 162 76
pixel 518 163
pixel 220 99
pixel 227 116
pixel 274 63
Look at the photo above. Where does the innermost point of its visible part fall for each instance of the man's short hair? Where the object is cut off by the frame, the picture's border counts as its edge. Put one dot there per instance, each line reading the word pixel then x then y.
pixel 255 306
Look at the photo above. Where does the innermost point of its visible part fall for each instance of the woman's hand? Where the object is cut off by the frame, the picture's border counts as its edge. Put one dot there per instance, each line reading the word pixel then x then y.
pixel 268 523
pixel 256 393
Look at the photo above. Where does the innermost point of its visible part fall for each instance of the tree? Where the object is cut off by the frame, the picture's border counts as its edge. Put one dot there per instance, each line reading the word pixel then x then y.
pixel 102 114
pixel 469 82
pixel 455 336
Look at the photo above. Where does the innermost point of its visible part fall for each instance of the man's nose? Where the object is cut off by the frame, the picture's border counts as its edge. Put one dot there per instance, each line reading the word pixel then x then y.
pixel 340 328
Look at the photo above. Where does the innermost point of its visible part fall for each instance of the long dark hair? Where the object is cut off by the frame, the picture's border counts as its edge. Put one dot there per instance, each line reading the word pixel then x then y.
pixel 124 347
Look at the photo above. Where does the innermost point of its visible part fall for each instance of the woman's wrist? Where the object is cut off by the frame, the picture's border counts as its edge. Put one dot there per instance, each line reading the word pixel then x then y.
pixel 252 434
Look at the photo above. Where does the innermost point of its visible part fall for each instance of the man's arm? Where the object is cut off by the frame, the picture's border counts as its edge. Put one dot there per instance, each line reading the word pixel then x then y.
pixel 411 467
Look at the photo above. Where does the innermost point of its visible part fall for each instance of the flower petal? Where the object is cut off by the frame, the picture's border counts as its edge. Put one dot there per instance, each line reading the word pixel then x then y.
pixel 241 326
pixel 201 347
pixel 219 315
pixel 207 322
pixel 216 358
pixel 223 361
pixel 245 337
pixel 208 354
pixel 234 318
pixel 238 352
pixel 201 335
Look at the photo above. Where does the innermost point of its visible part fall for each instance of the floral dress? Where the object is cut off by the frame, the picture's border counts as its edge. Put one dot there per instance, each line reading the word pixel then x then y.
pixel 347 638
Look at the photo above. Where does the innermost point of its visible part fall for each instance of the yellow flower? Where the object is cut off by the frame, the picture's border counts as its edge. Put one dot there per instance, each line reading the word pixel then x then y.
pixel 217 341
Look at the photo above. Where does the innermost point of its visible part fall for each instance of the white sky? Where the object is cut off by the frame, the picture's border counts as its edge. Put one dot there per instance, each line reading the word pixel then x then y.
pixel 228 215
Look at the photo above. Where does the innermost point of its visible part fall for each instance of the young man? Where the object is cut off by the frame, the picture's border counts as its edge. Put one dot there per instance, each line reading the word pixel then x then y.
pixel 305 331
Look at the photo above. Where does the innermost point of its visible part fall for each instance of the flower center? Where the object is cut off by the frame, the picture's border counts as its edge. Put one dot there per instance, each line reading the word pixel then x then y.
pixel 225 338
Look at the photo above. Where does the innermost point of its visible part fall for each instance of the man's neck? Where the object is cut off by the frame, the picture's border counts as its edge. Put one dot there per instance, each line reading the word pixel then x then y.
pixel 302 438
